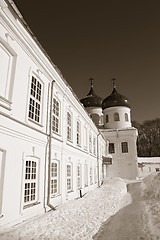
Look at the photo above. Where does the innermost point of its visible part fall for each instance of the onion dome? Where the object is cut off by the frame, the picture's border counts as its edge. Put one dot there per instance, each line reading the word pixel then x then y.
pixel 115 99
pixel 91 100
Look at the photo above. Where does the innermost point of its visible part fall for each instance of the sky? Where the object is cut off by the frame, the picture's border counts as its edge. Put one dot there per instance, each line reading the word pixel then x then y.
pixel 103 40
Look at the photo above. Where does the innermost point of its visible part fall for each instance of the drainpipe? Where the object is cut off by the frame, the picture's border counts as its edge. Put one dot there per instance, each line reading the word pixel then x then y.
pixel 50 151
pixel 98 160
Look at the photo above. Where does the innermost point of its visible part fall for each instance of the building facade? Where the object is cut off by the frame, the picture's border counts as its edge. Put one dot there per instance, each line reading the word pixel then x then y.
pixel 112 116
pixel 50 149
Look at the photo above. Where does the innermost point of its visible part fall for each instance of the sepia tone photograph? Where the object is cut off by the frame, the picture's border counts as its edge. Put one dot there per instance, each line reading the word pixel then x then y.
pixel 79 120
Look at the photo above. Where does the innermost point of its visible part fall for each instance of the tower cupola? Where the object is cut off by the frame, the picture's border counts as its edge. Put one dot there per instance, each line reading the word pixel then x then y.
pixel 93 103
pixel 116 110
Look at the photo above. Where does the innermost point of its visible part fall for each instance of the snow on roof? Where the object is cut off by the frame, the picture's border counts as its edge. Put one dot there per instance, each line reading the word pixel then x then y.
pixel 149 160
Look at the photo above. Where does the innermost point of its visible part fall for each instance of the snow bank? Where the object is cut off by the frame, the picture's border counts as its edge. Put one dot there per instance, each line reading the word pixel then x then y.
pixel 78 219
pixel 151 195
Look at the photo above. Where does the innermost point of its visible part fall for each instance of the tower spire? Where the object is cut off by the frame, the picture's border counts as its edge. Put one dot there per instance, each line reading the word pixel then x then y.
pixel 91 80
pixel 114 82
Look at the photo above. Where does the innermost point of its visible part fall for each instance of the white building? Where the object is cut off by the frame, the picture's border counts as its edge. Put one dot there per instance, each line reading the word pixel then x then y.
pixel 43 163
pixel 112 116
pixel 148 165
pixel 50 149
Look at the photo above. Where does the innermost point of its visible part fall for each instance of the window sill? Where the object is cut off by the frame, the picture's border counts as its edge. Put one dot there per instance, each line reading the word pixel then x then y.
pixel 55 195
pixel 32 121
pixel 31 205
pixel 5 103
pixel 70 191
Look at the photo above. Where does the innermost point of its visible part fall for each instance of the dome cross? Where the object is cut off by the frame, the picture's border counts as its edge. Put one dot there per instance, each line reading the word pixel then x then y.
pixel 91 80
pixel 114 82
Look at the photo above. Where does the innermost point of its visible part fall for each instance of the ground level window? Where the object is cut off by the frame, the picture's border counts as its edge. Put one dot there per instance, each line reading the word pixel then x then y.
pixel 86 175
pixel 30 186
pixel 124 146
pixel 54 177
pixel 95 175
pixel 79 176
pixel 69 177
pixel 91 176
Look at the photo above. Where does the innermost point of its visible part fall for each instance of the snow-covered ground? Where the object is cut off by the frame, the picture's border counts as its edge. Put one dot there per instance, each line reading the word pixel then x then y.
pixel 78 219
pixel 151 195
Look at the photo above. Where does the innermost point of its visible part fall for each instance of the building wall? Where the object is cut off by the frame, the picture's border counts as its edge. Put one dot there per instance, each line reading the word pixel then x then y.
pixel 24 137
pixel 121 123
pixel 148 165
pixel 124 164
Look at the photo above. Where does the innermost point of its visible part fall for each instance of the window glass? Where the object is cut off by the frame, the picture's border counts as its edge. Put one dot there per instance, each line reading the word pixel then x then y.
pixel 126 117
pixel 30 188
pixel 69 126
pixel 111 148
pixel 55 116
pixel 124 146
pixel 107 118
pixel 78 133
pixel 69 177
pixel 35 100
pixel 54 177
pixel 116 116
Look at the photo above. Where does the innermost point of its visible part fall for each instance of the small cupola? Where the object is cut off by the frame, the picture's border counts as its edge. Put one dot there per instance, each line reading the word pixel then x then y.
pixel 116 110
pixel 93 104
pixel 91 100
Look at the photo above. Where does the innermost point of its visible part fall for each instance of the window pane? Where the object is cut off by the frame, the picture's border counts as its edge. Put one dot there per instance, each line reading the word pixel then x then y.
pixel 111 148
pixel 116 116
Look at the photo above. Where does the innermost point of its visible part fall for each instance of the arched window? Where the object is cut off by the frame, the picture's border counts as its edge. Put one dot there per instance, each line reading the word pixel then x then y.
pixel 116 116
pixel 126 117
pixel 107 118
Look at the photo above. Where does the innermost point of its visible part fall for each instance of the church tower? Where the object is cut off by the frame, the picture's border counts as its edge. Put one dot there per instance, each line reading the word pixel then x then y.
pixel 116 110
pixel 113 118
pixel 121 135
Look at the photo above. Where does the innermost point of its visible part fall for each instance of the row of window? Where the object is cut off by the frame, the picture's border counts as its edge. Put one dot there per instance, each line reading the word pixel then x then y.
pixel 124 147
pixel 31 179
pixel 117 118
pixel 35 114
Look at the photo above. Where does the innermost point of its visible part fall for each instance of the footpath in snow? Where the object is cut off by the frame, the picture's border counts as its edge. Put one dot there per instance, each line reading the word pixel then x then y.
pixel 77 219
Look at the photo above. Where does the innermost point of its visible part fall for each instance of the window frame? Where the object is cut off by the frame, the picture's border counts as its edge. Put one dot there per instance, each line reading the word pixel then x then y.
pixel 69 126
pixel 126 117
pixel 107 118
pixel 124 147
pixel 90 142
pixel 6 98
pixel 69 181
pixel 2 174
pixel 35 90
pixel 91 175
pixel 79 182
pixel 78 133
pixel 86 175
pixel 56 177
pixel 30 181
pixel 94 145
pixel 111 149
pixel 116 117
pixel 57 120
pixel 85 137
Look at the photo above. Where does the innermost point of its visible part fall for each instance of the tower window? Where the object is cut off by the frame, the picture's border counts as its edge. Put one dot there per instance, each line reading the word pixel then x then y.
pixel 107 118
pixel 116 116
pixel 126 117
pixel 111 148
pixel 124 146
